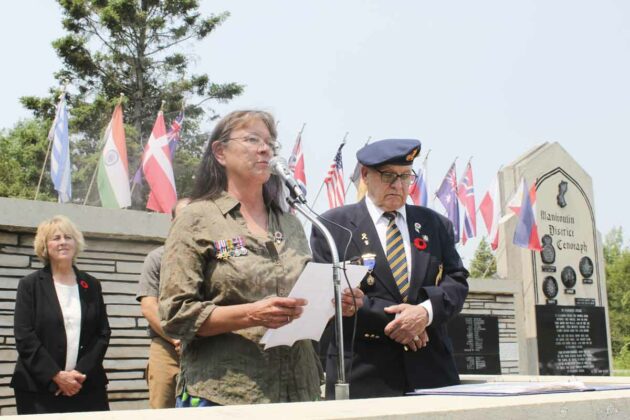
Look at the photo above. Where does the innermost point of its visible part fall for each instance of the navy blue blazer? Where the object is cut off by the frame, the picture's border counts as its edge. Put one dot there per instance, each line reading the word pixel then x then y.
pixel 379 366
pixel 40 333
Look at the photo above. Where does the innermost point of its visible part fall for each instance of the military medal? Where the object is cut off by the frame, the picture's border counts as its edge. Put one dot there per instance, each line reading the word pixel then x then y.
pixel 241 245
pixel 230 247
pixel 369 261
pixel 278 237
pixel 237 248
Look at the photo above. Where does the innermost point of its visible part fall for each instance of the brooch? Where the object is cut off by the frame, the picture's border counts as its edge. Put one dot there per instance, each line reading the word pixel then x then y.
pixel 420 244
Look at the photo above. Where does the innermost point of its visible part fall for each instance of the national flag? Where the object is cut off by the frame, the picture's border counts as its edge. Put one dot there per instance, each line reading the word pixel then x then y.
pixel 418 191
pixel 466 195
pixel 447 194
pixel 174 136
pixel 158 169
pixel 60 166
pixel 174 133
pixel 296 163
pixel 113 169
pixel 526 232
pixel 490 209
pixel 517 199
pixel 334 181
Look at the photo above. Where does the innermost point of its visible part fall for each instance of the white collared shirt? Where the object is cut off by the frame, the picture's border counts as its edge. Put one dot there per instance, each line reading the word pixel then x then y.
pixel 380 223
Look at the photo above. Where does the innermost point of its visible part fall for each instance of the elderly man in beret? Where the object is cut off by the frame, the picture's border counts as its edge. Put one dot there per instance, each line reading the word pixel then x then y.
pixel 415 285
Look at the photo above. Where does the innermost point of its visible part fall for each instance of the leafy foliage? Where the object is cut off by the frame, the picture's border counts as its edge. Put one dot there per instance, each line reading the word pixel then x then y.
pixel 617 257
pixel 22 150
pixel 483 264
pixel 137 48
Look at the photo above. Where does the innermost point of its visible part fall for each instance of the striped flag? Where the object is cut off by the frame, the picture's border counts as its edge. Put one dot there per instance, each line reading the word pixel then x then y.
pixel 466 195
pixel 296 163
pixel 447 194
pixel 334 181
pixel 419 190
pixel 60 167
pixel 113 169
pixel 490 209
pixel 158 169
pixel 526 232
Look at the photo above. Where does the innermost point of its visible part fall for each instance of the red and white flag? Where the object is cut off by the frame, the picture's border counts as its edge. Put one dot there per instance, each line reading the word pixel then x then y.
pixel 490 209
pixel 157 166
pixel 296 163
pixel 466 195
pixel 334 181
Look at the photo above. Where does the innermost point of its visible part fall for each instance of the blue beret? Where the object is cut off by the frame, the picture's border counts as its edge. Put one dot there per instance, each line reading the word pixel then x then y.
pixel 389 152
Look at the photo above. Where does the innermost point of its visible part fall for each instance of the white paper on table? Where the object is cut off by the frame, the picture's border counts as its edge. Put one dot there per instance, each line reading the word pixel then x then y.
pixel 316 286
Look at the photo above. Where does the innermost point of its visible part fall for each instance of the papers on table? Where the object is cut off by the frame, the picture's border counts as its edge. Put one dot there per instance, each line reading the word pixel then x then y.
pixel 500 389
pixel 316 286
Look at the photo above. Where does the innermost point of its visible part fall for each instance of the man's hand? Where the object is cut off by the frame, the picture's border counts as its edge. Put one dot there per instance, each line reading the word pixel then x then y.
pixel 350 302
pixel 276 312
pixel 408 328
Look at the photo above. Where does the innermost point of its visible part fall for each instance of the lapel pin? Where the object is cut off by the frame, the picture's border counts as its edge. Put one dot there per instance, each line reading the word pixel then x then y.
pixel 364 238
pixel 278 237
pixel 420 244
pixel 417 227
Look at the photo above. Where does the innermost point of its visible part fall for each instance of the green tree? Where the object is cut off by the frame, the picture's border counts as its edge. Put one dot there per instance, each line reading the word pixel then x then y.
pixel 22 149
pixel 617 257
pixel 135 48
pixel 483 264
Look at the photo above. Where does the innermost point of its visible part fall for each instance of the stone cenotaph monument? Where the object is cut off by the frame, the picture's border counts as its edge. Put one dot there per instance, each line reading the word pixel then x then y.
pixel 563 328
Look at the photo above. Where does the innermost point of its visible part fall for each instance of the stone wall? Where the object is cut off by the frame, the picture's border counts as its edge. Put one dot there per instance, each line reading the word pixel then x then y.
pixel 498 297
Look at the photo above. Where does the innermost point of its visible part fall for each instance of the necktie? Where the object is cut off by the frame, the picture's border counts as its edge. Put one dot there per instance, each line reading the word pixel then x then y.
pixel 395 250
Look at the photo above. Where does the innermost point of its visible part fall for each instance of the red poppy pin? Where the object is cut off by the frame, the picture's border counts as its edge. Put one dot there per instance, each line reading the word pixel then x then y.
pixel 420 244
pixel 83 284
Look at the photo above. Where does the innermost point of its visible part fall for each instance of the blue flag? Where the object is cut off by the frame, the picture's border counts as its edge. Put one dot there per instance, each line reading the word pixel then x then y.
pixel 447 194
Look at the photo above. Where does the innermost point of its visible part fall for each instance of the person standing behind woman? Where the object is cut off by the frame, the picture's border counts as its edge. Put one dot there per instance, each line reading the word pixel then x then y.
pixel 231 258
pixel 61 329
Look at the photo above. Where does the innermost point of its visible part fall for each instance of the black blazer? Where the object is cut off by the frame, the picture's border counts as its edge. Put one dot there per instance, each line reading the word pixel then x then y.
pixel 380 366
pixel 40 333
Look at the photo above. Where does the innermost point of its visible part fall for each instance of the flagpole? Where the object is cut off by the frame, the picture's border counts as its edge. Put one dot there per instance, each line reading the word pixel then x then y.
pixel 50 138
pixel 323 182
pixel 87 195
pixel 345 193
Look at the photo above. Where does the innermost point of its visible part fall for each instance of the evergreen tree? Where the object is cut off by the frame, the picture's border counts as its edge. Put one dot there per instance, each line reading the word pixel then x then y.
pixel 483 264
pixel 617 258
pixel 133 47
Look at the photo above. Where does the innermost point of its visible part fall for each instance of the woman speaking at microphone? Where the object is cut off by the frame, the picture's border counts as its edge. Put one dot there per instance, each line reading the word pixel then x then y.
pixel 230 260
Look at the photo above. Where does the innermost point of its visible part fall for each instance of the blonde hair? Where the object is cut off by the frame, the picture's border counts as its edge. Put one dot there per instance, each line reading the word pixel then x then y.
pixel 47 228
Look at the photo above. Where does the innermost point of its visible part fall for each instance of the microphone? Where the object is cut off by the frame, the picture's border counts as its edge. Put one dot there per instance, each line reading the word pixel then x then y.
pixel 279 166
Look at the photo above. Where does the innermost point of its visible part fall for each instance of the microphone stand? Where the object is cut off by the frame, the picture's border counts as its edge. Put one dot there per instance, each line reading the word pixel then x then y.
pixel 342 388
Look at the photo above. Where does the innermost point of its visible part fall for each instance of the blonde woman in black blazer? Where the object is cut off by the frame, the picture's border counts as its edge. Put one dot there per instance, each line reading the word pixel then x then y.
pixel 61 329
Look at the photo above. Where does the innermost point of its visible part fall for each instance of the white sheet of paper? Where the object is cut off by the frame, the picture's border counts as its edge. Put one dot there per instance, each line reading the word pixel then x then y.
pixel 316 286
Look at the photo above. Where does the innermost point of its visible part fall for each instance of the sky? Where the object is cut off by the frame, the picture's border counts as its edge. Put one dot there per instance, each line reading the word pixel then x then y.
pixel 486 80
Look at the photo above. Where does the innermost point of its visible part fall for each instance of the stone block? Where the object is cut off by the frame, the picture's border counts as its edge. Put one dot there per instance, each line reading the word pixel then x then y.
pixel 8 238
pixel 129 267
pixel 6 321
pixel 20 250
pixel 113 256
pixel 120 299
pixel 14 272
pixel 9 260
pixel 124 310
pixel 116 322
pixel 8 294
pixel 96 269
pixel 122 364
pixel 9 283
pixel 126 333
pixel 119 287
